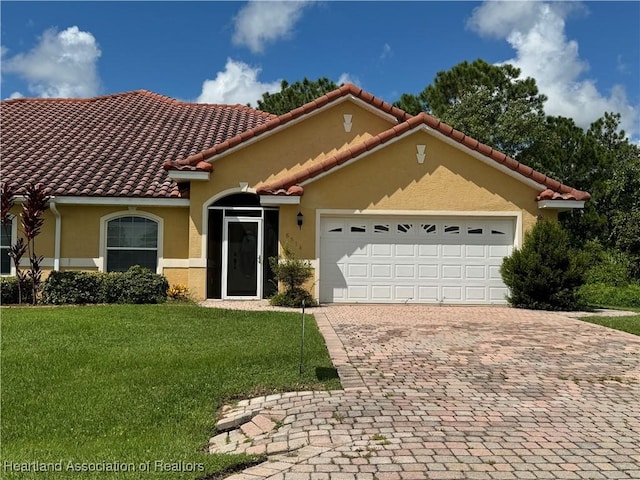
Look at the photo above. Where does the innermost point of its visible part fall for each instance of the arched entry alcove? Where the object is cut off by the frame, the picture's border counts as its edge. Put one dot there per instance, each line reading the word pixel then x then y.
pixel 242 236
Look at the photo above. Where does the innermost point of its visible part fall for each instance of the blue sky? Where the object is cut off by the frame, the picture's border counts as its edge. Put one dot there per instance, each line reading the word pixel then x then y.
pixel 584 56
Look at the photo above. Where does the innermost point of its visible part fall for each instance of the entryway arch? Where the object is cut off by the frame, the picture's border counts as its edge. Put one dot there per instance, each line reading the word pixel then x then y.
pixel 241 237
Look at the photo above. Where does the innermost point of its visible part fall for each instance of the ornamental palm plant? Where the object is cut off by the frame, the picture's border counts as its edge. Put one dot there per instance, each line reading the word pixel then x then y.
pixel 32 220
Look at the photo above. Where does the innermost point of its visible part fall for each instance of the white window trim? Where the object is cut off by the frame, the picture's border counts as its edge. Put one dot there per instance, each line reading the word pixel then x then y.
pixel 104 220
pixel 14 239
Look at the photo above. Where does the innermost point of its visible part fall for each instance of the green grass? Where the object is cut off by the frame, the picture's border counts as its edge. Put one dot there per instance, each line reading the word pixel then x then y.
pixel 129 386
pixel 629 324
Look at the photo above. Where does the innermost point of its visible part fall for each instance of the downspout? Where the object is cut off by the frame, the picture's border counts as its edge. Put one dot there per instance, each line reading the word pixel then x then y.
pixel 56 241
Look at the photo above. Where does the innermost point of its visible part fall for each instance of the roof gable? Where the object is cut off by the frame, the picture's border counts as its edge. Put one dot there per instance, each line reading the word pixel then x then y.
pixel 275 124
pixel 550 189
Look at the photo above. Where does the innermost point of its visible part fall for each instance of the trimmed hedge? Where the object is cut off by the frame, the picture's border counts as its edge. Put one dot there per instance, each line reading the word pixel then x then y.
pixel 9 291
pixel 136 285
pixel 76 288
pixel 603 295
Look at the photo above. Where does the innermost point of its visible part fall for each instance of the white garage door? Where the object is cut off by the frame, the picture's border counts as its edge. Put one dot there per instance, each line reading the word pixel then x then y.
pixel 414 260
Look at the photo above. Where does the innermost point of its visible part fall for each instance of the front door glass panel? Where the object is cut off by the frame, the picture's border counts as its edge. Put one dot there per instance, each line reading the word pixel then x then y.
pixel 242 259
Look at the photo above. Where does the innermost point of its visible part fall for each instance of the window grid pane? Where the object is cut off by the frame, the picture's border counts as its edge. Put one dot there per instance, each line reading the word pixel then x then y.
pixel 122 260
pixel 5 234
pixel 131 241
pixel 132 232
pixel 5 261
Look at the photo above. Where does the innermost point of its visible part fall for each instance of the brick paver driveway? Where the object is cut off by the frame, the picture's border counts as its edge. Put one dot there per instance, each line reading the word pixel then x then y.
pixel 462 393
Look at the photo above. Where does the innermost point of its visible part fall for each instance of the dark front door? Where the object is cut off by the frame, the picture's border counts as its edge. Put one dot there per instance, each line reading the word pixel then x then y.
pixel 242 245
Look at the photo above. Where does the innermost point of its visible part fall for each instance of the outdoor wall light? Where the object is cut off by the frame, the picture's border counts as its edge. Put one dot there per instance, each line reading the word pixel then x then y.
pixel 299 217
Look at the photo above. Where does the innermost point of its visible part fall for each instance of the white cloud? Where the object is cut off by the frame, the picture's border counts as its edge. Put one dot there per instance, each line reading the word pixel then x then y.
pixel 62 64
pixel 536 31
pixel 15 95
pixel 348 78
pixel 262 22
pixel 238 83
pixel 386 51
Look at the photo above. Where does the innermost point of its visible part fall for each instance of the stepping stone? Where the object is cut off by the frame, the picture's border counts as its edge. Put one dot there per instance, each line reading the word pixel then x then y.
pixel 264 423
pixel 233 421
pixel 251 430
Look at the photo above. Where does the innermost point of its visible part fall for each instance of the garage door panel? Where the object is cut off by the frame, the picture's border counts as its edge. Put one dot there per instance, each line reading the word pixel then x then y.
pixel 494 272
pixel 381 271
pixel 454 251
pixel 498 251
pixel 452 293
pixel 498 294
pixel 428 271
pixel 452 271
pixel 429 294
pixel 404 271
pixel 381 250
pixel 381 293
pixel 428 251
pixel 360 251
pixel 475 272
pixel 355 270
pixel 358 292
pixel 405 250
pixel 404 292
pixel 476 294
pixel 387 259
pixel 339 294
pixel 475 251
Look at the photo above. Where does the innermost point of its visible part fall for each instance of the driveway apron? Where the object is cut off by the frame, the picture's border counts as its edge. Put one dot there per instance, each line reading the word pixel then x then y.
pixel 452 393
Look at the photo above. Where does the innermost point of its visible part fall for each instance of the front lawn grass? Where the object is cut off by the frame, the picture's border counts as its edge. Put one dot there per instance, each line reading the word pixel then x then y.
pixel 135 387
pixel 629 324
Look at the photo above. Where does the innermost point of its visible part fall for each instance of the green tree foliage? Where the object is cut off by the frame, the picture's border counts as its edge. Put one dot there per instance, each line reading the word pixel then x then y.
pixel 605 163
pixel 412 104
pixel 488 102
pixel 546 273
pixel 493 105
pixel 295 95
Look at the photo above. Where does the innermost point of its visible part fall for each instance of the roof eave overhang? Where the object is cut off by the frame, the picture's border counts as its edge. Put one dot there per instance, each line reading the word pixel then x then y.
pixel 182 175
pixel 350 97
pixel 268 200
pixel 560 205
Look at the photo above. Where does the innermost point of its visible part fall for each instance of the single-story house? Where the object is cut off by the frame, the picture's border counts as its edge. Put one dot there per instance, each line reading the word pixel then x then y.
pixel 386 206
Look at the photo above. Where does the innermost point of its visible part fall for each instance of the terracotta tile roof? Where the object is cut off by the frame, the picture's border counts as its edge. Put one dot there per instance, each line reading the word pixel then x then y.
pixel 196 160
pixel 554 191
pixel 113 145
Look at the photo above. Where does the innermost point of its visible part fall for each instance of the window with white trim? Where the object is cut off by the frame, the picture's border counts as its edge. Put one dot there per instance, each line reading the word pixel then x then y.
pixel 131 240
pixel 6 230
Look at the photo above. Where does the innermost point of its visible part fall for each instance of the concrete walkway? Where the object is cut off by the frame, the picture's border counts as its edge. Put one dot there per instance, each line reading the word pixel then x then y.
pixel 452 393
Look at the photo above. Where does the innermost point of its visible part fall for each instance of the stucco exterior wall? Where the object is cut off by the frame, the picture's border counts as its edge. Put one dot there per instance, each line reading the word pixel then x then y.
pixel 291 149
pixel 392 180
pixel 80 237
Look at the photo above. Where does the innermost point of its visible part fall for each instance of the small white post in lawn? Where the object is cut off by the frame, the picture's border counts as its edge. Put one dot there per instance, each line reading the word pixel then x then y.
pixel 302 341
